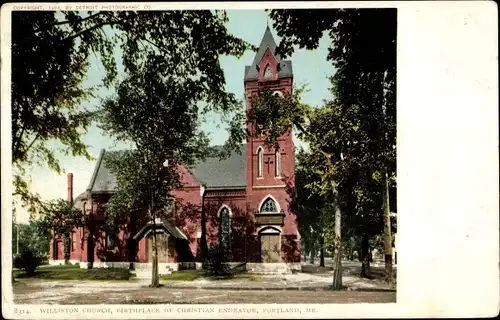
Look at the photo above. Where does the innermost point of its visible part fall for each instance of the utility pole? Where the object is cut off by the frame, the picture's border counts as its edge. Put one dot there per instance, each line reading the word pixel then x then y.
pixel 17 238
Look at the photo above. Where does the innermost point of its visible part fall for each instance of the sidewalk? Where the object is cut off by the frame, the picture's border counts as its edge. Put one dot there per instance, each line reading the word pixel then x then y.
pixel 313 278
pixel 295 282
pixel 299 281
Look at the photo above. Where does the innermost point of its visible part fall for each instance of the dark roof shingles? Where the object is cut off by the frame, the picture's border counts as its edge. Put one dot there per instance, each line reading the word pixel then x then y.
pixel 216 173
pixel 213 172
pixel 285 70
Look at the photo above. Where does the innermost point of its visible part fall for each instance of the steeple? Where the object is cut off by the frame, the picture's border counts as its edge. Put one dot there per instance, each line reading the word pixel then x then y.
pixel 266 42
pixel 251 72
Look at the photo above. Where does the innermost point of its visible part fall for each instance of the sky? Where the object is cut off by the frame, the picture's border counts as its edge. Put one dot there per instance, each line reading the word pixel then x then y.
pixel 310 67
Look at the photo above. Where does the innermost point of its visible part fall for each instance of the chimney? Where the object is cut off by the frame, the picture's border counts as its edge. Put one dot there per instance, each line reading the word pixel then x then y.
pixel 70 187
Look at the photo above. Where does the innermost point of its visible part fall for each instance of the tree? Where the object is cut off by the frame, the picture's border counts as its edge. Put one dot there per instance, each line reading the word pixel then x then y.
pixel 312 207
pixel 158 118
pixel 50 55
pixel 363 51
pixel 156 108
pixel 323 129
pixel 59 217
pixel 47 74
pixel 30 236
pixel 362 203
pixel 359 124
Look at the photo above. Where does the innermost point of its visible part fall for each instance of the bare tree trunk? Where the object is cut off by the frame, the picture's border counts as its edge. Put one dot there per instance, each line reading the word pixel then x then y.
pixel 337 260
pixel 305 250
pixel 322 251
pixel 313 250
pixel 387 231
pixel 155 277
pixel 365 257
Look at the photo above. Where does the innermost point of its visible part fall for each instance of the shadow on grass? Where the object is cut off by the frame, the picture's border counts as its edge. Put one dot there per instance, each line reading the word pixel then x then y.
pixel 183 275
pixel 376 272
pixel 191 275
pixel 345 288
pixel 68 272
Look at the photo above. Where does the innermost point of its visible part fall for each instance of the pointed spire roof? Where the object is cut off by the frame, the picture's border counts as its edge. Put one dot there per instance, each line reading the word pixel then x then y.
pixel 267 41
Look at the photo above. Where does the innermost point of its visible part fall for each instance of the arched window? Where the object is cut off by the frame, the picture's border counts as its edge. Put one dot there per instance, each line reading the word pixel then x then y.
pixel 225 228
pixel 277 163
pixel 278 93
pixel 259 162
pixel 73 240
pixel 269 206
pixel 267 72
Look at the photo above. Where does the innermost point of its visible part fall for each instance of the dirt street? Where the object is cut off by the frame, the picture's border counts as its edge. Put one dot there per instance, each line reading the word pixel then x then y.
pixel 120 294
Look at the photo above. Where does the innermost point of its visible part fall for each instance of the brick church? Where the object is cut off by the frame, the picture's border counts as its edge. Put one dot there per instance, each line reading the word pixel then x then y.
pixel 245 199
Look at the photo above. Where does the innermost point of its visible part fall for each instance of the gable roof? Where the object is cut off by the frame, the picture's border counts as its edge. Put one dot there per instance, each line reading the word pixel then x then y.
pixel 162 224
pixel 227 173
pixel 102 180
pixel 285 70
pixel 212 173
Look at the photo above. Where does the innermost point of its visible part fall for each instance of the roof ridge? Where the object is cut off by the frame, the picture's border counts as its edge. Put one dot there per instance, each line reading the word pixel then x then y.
pixel 266 42
pixel 96 170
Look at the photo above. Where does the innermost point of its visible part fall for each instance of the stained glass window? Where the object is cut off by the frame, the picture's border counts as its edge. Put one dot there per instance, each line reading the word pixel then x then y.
pixel 268 73
pixel 269 206
pixel 225 227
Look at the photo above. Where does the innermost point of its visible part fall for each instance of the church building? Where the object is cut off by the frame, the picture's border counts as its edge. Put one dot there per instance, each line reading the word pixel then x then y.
pixel 246 201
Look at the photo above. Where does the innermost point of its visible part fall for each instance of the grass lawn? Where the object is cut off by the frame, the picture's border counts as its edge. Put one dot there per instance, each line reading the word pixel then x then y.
pixel 70 272
pixel 191 275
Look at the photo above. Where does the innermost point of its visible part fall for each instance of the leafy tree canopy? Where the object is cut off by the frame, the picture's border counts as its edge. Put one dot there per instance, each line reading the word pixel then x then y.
pixel 31 237
pixel 50 55
pixel 59 216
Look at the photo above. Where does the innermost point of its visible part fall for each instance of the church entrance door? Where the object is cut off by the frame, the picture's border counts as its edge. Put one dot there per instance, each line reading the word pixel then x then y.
pixel 162 243
pixel 270 247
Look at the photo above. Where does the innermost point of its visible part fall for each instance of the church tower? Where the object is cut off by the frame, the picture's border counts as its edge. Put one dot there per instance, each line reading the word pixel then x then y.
pixel 270 171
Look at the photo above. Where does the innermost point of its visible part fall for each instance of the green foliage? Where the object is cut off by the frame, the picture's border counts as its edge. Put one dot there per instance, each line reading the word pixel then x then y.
pixel 154 114
pixel 363 52
pixel 47 73
pixel 216 262
pixel 70 272
pixel 28 260
pixel 352 137
pixel 351 245
pixel 30 237
pixel 183 275
pixel 157 104
pixel 312 207
pixel 59 216
pixel 50 55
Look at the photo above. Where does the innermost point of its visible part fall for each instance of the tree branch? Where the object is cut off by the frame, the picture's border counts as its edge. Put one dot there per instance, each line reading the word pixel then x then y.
pixel 67 21
pixel 17 142
pixel 28 148
pixel 99 25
